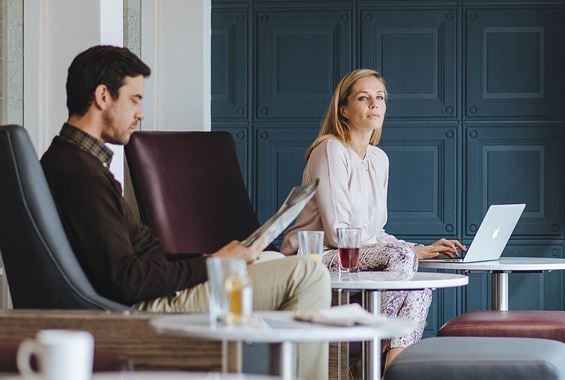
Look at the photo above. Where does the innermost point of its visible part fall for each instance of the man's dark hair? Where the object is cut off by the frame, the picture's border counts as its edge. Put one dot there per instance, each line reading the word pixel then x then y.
pixel 103 64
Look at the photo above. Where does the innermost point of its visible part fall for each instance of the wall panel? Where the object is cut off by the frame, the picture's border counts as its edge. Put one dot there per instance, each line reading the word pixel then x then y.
pixel 516 164
pixel 415 50
pixel 514 63
pixel 300 58
pixel 535 291
pixel 422 181
pixel 240 134
pixel 229 81
pixel 280 161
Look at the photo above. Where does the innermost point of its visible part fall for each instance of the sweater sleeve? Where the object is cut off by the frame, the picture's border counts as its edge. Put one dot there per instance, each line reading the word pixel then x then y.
pixel 122 259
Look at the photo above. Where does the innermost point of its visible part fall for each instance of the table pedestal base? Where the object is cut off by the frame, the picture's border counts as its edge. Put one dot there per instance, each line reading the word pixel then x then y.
pixel 282 362
pixel 281 359
pixel 500 291
pixel 232 357
pixel 371 351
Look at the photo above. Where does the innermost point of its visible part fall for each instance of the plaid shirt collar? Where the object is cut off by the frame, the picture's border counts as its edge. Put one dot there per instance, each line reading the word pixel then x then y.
pixel 87 143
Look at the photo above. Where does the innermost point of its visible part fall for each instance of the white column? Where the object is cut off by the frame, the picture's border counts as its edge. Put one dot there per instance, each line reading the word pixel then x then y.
pixel 175 43
pixel 55 31
pixel 112 33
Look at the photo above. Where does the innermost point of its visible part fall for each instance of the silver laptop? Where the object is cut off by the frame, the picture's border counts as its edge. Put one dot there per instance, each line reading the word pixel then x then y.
pixel 492 236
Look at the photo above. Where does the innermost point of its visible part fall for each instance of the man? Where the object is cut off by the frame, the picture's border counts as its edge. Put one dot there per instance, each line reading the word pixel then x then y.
pixel 121 258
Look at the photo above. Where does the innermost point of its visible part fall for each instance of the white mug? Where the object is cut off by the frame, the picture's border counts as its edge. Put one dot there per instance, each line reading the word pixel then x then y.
pixel 61 354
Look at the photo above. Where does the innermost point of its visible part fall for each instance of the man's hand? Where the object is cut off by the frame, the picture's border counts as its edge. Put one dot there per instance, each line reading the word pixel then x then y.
pixel 235 250
pixel 449 248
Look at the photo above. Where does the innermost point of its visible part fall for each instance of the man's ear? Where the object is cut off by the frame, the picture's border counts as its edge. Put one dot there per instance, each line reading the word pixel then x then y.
pixel 102 97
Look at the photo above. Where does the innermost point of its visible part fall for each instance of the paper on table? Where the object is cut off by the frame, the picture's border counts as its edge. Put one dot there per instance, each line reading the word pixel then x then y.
pixel 346 315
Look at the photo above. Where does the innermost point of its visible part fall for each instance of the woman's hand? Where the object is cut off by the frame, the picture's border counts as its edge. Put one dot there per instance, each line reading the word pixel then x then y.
pixel 450 248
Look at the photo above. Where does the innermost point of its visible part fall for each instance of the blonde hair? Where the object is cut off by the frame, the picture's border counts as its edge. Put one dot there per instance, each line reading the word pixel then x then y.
pixel 334 124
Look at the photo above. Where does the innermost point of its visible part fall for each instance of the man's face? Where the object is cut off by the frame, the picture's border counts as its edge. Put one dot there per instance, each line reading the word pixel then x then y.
pixel 124 113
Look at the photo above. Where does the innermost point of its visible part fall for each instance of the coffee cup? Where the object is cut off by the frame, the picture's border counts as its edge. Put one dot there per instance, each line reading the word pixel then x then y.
pixel 60 354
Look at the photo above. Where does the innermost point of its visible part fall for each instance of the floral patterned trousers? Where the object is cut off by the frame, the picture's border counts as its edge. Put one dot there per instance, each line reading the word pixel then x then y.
pixel 414 304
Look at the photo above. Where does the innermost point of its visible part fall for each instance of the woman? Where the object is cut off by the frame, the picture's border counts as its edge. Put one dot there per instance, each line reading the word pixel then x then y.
pixel 352 192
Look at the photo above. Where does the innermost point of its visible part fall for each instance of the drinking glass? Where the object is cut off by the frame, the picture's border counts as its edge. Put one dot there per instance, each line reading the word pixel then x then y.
pixel 311 243
pixel 348 243
pixel 230 292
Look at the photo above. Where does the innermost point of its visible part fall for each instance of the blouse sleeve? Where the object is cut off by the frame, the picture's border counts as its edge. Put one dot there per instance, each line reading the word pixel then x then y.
pixel 384 237
pixel 330 162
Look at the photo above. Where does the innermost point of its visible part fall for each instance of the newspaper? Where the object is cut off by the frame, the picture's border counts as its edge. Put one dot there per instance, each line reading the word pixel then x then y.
pixel 291 207
pixel 344 315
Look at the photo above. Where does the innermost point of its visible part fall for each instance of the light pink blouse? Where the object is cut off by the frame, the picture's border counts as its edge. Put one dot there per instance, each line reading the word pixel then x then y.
pixel 352 193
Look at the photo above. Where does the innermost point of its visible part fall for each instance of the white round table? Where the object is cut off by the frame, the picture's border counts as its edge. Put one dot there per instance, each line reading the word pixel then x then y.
pixel 162 375
pixel 370 284
pixel 499 270
pixel 379 281
pixel 279 329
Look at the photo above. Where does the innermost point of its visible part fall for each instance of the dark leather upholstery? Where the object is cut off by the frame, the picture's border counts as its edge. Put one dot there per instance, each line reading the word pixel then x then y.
pixel 40 266
pixel 103 361
pixel 528 324
pixel 189 189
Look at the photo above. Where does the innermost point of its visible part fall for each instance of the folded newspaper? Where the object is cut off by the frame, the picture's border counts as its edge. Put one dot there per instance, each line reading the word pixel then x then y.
pixel 345 315
pixel 291 207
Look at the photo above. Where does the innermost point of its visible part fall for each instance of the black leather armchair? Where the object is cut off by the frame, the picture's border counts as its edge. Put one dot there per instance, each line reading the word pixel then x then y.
pixel 40 266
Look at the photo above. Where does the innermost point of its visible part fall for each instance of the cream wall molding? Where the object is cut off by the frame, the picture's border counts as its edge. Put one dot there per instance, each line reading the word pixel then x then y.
pixel 55 31
pixel 35 88
pixel 175 43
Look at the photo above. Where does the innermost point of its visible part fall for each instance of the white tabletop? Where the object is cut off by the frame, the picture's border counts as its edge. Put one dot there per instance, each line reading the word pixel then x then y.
pixel 504 264
pixel 163 376
pixel 395 280
pixel 279 327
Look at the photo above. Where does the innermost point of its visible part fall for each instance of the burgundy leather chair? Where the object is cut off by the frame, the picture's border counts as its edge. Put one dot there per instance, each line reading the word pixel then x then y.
pixel 189 189
pixel 546 324
pixel 103 361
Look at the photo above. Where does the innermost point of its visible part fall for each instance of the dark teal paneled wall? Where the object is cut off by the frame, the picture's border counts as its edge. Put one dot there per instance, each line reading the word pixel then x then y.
pixel 476 114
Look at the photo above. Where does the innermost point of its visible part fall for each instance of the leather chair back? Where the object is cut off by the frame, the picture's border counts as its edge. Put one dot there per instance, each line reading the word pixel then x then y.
pixel 189 189
pixel 41 268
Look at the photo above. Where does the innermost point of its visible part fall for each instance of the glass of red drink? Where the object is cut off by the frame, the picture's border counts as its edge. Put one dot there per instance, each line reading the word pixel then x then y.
pixel 348 243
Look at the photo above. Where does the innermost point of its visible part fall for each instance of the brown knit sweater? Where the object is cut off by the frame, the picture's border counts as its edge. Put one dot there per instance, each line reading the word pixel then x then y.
pixel 122 259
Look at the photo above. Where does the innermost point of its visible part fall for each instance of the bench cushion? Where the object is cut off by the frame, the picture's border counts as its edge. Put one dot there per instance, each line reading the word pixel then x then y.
pixel 527 324
pixel 480 358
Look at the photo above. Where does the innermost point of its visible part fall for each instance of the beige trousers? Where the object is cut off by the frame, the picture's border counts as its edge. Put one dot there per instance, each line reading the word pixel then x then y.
pixel 292 283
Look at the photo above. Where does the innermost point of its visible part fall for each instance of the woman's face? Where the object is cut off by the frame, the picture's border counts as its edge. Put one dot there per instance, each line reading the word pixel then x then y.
pixel 366 107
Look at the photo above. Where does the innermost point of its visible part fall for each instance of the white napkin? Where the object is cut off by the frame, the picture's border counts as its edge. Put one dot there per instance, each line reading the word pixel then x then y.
pixel 346 315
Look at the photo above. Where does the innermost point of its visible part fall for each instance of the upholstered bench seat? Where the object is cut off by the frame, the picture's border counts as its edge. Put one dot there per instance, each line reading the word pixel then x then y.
pixel 526 324
pixel 462 358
